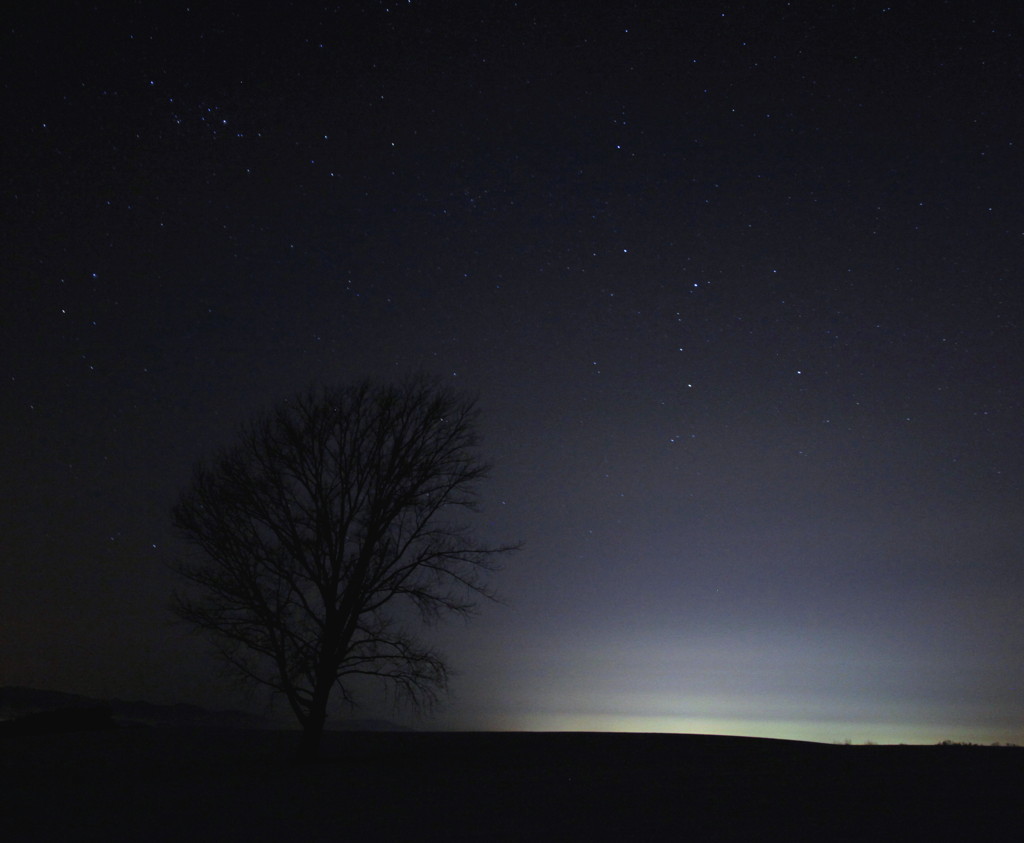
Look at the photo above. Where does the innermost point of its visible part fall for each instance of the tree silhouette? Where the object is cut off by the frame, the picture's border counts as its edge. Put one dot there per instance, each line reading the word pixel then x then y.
pixel 329 518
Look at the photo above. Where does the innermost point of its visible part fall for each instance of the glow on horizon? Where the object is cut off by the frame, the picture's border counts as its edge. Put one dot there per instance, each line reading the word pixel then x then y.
pixel 756 682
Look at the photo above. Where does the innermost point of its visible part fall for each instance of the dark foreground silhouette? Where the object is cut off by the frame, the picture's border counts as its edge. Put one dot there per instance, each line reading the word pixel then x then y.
pixel 148 783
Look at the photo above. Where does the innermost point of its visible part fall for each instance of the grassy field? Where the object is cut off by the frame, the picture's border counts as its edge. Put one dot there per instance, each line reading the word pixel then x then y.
pixel 138 783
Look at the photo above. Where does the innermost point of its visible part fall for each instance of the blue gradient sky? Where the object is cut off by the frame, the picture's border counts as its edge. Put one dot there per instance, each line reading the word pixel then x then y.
pixel 738 288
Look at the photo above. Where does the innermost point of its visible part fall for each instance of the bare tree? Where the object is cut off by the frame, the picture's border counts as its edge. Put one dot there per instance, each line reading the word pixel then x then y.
pixel 330 515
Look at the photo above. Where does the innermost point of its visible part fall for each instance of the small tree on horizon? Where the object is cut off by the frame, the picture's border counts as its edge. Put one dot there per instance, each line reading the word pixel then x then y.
pixel 328 519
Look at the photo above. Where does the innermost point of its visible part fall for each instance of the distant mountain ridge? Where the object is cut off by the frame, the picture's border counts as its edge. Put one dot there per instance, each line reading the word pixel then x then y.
pixel 18 702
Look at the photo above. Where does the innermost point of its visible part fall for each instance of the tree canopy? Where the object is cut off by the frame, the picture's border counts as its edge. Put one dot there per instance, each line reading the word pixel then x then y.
pixel 316 532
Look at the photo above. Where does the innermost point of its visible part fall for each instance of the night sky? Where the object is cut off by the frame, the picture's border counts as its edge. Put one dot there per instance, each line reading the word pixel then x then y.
pixel 739 286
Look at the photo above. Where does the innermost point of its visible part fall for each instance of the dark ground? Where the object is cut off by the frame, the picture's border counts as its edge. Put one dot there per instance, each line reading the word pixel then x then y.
pixel 139 783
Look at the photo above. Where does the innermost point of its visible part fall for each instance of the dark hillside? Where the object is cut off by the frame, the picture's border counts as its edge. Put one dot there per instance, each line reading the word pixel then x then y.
pixel 166 784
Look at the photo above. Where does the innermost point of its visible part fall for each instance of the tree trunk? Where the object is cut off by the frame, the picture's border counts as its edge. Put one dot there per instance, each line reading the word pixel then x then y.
pixel 313 728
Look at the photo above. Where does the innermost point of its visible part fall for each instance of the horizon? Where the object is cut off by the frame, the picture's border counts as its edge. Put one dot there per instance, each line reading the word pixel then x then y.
pixel 865 734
